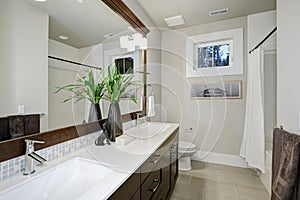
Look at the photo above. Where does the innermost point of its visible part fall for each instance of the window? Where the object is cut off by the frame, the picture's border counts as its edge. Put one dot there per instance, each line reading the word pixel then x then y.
pixel 125 65
pixel 214 54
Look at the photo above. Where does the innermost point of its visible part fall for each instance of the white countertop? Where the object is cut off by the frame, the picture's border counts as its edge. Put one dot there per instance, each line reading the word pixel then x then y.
pixel 123 159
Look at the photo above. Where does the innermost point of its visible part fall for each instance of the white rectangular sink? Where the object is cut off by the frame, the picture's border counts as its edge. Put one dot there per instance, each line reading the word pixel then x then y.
pixel 147 130
pixel 69 180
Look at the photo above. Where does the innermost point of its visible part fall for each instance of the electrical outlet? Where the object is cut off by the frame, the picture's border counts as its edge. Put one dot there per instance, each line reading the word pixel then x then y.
pixel 21 109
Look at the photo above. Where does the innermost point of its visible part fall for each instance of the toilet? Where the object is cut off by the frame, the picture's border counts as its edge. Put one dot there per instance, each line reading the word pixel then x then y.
pixel 185 150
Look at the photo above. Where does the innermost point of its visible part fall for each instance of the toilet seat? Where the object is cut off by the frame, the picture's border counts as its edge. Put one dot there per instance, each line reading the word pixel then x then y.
pixel 186 146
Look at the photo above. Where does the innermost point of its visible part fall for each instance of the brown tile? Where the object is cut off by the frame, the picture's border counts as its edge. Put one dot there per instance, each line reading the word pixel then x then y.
pixel 252 193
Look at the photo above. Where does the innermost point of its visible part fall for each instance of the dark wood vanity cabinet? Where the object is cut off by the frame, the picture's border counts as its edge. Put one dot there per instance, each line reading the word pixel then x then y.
pixel 156 178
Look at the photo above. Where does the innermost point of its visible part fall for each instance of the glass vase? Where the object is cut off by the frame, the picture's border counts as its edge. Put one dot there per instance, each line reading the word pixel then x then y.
pixel 94 113
pixel 115 127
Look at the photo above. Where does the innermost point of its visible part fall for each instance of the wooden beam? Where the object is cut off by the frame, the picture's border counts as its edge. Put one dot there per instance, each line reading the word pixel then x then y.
pixel 120 8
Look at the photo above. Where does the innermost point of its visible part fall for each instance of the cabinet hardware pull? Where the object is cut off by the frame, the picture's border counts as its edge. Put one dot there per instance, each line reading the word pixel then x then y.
pixel 156 160
pixel 157 183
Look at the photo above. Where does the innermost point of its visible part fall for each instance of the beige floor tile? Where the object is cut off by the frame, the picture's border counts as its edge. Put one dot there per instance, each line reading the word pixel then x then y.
pixel 213 186
pixel 225 168
pixel 187 191
pixel 184 179
pixel 177 196
pixel 210 195
pixel 252 193
pixel 251 172
pixel 252 181
pixel 210 174
pixel 218 182
pixel 198 165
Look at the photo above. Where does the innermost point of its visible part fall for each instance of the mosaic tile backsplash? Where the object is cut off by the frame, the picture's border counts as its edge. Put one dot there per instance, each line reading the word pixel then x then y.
pixel 16 165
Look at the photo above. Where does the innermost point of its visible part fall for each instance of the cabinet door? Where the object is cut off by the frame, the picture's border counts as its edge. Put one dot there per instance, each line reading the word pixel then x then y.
pixel 174 164
pixel 151 186
pixel 128 189
pixel 166 176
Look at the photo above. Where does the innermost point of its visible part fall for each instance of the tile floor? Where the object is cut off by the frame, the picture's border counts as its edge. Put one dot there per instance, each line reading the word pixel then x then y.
pixel 218 182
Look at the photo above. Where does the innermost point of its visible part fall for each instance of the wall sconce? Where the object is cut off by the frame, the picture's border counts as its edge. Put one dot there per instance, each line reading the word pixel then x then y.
pixel 130 42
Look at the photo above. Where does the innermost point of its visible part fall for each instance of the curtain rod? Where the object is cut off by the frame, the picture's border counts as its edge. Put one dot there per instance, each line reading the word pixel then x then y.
pixel 259 44
pixel 73 62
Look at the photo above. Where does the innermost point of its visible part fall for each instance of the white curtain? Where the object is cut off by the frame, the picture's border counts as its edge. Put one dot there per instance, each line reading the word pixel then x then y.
pixel 253 145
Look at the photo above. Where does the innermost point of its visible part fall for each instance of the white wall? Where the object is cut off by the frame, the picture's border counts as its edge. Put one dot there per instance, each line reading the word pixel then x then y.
pixel 25 63
pixel 153 56
pixel 7 61
pixel 260 25
pixel 217 125
pixel 61 74
pixel 288 70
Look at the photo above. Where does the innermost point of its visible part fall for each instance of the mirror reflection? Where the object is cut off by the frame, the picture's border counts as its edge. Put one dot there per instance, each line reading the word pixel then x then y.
pixel 86 32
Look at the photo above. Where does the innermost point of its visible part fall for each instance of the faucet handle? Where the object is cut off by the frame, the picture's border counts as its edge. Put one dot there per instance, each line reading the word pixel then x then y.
pixel 31 142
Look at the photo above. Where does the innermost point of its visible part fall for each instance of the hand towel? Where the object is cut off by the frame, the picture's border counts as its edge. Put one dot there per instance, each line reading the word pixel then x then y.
pixel 32 124
pixel 285 165
pixel 4 129
pixel 150 107
pixel 16 126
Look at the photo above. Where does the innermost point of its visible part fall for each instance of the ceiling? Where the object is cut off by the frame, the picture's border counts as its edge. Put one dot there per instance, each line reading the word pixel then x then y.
pixel 197 11
pixel 84 23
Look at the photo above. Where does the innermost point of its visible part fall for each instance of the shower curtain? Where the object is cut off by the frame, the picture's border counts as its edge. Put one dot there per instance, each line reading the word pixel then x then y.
pixel 253 144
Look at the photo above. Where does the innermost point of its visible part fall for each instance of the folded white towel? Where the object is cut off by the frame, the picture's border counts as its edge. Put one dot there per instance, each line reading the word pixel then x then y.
pixel 150 107
pixel 141 102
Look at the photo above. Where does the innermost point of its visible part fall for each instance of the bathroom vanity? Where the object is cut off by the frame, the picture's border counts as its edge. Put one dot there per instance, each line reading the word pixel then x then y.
pixel 146 168
pixel 156 177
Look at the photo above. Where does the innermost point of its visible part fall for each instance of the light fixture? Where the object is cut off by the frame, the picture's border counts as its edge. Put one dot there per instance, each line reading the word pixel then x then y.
pixel 40 0
pixel 63 37
pixel 175 21
pixel 130 42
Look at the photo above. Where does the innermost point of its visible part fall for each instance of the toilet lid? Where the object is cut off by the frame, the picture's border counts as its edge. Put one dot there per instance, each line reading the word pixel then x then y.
pixel 186 145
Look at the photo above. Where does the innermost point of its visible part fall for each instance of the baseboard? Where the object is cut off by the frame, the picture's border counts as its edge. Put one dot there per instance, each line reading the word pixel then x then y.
pixel 219 158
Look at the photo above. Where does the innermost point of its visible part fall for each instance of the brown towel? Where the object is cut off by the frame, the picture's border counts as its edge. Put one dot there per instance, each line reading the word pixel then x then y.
pixel 32 124
pixel 16 126
pixel 4 129
pixel 285 166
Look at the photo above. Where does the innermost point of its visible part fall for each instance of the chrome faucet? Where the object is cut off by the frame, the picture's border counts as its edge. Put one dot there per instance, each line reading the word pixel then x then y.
pixel 30 156
pixel 138 120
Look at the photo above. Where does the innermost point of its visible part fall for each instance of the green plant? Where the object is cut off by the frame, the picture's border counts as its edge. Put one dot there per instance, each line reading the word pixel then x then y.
pixel 117 83
pixel 86 88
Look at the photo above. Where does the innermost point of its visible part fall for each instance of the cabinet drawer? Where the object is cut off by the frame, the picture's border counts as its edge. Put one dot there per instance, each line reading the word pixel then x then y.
pixel 150 165
pixel 128 189
pixel 151 185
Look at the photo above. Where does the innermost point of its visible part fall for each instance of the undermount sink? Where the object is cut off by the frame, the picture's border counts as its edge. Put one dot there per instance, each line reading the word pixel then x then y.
pixel 69 180
pixel 147 130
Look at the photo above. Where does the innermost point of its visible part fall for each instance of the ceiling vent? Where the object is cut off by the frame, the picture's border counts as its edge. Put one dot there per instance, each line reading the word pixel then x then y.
pixel 218 12
pixel 109 35
pixel 175 21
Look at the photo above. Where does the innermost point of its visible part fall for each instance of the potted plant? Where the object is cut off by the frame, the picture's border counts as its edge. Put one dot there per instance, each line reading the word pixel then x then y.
pixel 87 88
pixel 116 85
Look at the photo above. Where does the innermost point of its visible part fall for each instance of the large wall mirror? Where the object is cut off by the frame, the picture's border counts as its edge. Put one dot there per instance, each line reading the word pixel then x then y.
pixel 81 31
